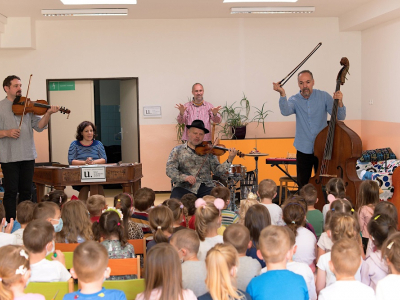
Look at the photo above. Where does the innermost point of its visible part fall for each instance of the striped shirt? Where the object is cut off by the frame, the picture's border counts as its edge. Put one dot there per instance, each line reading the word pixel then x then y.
pixel 229 217
pixel 77 151
pixel 142 219
pixel 202 112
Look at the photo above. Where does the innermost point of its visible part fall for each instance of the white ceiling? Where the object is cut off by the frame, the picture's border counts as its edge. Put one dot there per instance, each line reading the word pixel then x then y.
pixel 180 9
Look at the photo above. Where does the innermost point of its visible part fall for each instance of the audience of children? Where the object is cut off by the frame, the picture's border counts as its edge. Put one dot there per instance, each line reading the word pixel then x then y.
pixel 163 275
pixel 245 204
pixel 143 200
pixel 177 211
pixel 256 219
pixel 109 230
pixel 90 268
pixel 228 217
pixel 294 215
pixel 275 249
pixel 388 287
pixel 161 221
pixel 375 267
pixel 314 216
pixel 208 220
pixel 77 227
pixel 335 188
pixel 344 263
pixel 15 273
pixel 50 212
pixel 124 202
pixel 95 205
pixel 222 264
pixel 38 239
pixel 6 238
pixel 24 216
pixel 239 237
pixel 188 201
pixel 368 198
pixel 267 191
pixel 56 196
pixel 194 271
pixel 340 226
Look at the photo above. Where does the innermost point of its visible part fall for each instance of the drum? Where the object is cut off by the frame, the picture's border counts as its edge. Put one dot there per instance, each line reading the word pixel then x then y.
pixel 237 170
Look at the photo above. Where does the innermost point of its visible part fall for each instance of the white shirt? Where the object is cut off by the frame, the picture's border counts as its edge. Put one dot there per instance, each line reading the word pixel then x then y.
pixel 208 243
pixel 388 287
pixel 276 214
pixel 347 290
pixel 305 241
pixel 7 239
pixel 323 264
pixel 49 271
pixel 19 233
pixel 324 242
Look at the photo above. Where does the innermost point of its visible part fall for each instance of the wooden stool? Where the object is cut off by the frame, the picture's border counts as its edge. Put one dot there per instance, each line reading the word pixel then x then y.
pixel 284 181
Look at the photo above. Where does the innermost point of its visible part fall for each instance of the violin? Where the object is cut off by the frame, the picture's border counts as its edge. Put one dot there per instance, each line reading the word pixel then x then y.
pixel 217 150
pixel 38 107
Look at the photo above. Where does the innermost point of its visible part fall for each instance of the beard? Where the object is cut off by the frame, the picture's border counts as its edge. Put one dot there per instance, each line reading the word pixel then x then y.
pixel 305 92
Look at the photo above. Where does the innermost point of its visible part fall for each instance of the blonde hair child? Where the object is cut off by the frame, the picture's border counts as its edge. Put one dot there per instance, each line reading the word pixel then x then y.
pixel 340 226
pixel 208 220
pixel 15 273
pixel 222 262
pixel 163 275
pixel 388 287
pixel 244 207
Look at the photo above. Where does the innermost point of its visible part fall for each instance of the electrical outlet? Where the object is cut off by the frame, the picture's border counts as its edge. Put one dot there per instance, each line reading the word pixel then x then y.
pixel 371 102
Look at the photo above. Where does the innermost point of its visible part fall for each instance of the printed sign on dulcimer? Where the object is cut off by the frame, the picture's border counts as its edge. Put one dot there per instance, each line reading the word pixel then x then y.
pixel 93 174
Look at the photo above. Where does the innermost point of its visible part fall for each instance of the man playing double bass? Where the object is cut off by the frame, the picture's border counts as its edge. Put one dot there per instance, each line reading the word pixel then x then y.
pixel 17 147
pixel 310 107
pixel 186 168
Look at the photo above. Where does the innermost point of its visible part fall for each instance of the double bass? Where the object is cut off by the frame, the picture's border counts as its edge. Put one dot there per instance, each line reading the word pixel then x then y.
pixel 337 148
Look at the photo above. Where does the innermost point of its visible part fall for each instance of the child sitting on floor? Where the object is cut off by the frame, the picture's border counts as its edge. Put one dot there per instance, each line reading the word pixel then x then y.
pixel 110 232
pixel 267 191
pixel 15 273
pixel 177 211
pixel 276 251
pixel 143 200
pixel 245 204
pixel 50 212
pixel 345 260
pixel 228 217
pixel 24 216
pixel 56 196
pixel 314 216
pixel 239 237
pixel 335 188
pixel 194 271
pixel 90 268
pixel 124 202
pixel 38 239
pixel 95 205
pixel 188 201
pixel 161 221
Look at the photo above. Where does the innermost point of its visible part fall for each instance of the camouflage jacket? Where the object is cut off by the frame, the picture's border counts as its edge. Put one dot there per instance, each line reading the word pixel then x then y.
pixel 183 161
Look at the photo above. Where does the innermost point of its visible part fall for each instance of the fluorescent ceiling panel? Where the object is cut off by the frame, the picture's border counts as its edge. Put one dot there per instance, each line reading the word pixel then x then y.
pixel 85 12
pixel 92 2
pixel 273 10
pixel 254 1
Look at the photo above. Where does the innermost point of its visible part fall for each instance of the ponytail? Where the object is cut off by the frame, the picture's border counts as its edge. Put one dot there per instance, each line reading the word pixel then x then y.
pixel 207 215
pixel 161 219
pixel 124 202
pixel 110 224
pixel 294 215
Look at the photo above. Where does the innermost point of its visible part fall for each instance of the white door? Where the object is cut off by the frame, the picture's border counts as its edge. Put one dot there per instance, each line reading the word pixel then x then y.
pixel 129 121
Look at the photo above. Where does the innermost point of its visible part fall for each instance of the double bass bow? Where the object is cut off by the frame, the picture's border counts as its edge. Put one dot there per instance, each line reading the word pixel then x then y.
pixel 337 148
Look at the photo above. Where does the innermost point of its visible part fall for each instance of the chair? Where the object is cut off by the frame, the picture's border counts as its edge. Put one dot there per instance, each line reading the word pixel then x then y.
pixel 125 266
pixel 49 289
pixel 140 248
pixel 68 259
pixel 66 247
pixel 285 181
pixel 130 287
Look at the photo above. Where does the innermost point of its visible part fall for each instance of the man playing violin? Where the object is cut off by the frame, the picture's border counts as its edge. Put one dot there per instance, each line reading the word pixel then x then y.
pixel 310 107
pixel 198 109
pixel 17 147
pixel 186 168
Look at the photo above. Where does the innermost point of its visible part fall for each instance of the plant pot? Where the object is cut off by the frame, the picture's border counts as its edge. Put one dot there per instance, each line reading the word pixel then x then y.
pixel 239 133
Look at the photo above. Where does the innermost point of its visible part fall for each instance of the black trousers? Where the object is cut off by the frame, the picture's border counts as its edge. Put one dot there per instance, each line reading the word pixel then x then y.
pixel 17 179
pixel 305 163
pixel 178 192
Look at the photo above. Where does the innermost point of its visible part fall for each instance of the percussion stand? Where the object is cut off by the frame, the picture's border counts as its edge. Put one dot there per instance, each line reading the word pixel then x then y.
pixel 231 184
pixel 256 156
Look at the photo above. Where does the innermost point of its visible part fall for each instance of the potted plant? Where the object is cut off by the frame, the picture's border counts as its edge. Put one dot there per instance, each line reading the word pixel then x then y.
pixel 235 119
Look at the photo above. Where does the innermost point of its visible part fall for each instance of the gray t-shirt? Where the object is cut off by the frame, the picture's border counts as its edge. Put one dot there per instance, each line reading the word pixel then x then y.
pixel 22 148
pixel 248 269
pixel 194 276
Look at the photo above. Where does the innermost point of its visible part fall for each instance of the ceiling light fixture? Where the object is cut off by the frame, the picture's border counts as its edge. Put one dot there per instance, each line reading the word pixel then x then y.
pixel 85 12
pixel 273 10
pixel 92 2
pixel 246 1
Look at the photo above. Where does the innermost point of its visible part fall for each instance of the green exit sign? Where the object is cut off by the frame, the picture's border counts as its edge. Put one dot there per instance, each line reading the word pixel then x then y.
pixel 62 86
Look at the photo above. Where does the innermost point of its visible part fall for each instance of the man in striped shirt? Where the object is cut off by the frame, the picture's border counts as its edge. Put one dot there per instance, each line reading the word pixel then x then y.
pixel 198 109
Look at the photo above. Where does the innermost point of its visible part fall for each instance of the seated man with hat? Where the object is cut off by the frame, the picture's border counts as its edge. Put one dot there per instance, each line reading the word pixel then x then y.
pixel 186 168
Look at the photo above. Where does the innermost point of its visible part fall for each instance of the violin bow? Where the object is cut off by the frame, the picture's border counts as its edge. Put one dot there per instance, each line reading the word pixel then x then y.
pixel 26 101
pixel 286 79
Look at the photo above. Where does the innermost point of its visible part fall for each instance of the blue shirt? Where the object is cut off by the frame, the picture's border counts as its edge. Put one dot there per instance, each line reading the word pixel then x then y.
pixel 278 284
pixel 77 151
pixel 103 294
pixel 311 116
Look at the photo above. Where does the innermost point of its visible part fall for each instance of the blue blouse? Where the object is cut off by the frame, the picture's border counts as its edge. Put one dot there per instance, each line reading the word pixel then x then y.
pixel 77 151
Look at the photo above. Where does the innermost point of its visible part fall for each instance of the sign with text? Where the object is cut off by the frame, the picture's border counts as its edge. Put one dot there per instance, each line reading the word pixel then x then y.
pixel 93 174
pixel 62 86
